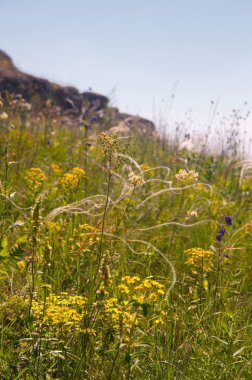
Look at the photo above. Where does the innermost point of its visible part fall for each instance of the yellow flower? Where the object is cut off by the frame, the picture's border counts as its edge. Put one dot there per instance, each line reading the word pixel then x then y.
pixel 78 172
pixel 199 258
pixel 83 238
pixel 21 265
pixel 56 169
pixel 35 178
pixel 124 288
pixel 63 313
pixel 72 179
pixel 130 280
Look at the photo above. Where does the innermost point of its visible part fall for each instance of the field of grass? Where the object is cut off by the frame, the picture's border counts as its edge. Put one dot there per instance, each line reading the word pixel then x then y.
pixel 121 258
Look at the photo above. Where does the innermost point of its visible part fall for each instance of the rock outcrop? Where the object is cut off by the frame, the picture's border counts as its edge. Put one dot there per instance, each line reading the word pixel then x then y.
pixel 38 91
pixel 127 124
pixel 65 100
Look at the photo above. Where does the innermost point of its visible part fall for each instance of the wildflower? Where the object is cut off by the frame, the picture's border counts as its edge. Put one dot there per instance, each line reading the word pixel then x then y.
pixel 222 230
pixel 192 214
pixel 63 313
pixel 228 220
pixel 68 180
pixel 111 146
pixel 56 169
pixel 83 238
pixel 221 233
pixel 135 179
pixel 4 116
pixel 200 258
pixel 48 141
pixel 35 178
pixel 94 119
pixel 124 288
pixel 21 265
pixel 78 172
pixel 72 179
pixel 186 177
pixel 130 280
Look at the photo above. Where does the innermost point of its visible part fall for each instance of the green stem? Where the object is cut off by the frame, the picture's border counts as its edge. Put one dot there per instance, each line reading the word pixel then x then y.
pixel 218 271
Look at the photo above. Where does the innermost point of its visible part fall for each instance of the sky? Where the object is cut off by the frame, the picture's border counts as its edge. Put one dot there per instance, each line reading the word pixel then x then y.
pixel 158 59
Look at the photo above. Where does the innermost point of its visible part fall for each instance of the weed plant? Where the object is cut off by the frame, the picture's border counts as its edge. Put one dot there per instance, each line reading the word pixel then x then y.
pixel 120 258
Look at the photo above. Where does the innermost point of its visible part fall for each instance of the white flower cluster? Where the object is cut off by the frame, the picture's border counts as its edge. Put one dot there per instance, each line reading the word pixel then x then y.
pixel 135 179
pixel 4 116
pixel 186 177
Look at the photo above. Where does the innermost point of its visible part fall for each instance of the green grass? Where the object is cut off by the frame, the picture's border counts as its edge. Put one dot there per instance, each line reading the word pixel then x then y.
pixel 99 272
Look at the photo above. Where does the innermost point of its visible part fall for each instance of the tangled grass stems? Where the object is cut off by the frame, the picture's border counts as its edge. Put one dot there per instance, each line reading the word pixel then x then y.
pixel 149 245
pixel 174 190
pixel 76 207
pixel 161 167
pixel 14 204
pixel 131 159
pixel 177 224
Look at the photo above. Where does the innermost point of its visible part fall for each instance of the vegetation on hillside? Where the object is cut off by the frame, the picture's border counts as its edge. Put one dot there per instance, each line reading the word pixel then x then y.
pixel 120 258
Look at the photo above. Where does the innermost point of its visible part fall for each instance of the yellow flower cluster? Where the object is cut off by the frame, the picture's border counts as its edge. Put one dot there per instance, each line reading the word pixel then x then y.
pixel 134 303
pixel 200 258
pixel 134 295
pixel 83 238
pixel 146 290
pixel 56 169
pixel 116 313
pixel 35 178
pixel 187 177
pixel 62 313
pixel 149 290
pixel 55 226
pixel 72 179
pixel 130 280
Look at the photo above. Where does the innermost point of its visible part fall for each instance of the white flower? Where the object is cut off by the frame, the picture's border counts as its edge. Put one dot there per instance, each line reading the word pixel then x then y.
pixel 135 179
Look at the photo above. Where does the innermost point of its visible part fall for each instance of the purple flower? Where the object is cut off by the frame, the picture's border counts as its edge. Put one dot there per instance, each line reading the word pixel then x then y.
pixel 228 220
pixel 94 119
pixel 221 233
pixel 222 230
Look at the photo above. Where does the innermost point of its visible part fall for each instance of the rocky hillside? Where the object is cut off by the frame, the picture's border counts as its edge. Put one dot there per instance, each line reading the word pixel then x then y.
pixel 65 100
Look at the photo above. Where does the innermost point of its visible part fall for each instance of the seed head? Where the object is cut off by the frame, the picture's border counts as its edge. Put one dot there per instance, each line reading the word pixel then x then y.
pixel 135 179
pixel 4 116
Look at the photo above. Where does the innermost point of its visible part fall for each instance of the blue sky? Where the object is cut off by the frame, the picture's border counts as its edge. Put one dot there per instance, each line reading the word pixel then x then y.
pixel 138 51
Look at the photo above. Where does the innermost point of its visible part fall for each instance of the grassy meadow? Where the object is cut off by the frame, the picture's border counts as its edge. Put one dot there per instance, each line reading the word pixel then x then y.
pixel 121 258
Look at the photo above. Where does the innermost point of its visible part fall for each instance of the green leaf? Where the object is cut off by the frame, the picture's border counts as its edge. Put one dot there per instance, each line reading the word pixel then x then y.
pixel 4 251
